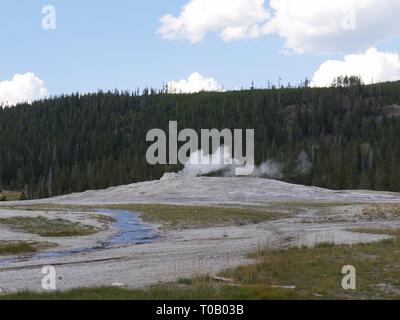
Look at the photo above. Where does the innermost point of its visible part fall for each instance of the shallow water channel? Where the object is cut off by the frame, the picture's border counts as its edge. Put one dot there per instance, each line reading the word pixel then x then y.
pixel 130 230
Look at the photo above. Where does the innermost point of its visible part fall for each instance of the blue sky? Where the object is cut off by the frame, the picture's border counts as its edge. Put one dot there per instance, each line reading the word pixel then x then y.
pixel 113 44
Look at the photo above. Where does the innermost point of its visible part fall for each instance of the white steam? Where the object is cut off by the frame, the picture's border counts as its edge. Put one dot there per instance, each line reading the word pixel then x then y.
pixel 221 161
pixel 269 169
pixel 304 164
pixel 200 164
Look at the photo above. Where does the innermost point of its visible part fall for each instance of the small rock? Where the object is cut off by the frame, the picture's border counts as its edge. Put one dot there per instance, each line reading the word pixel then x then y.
pixel 284 287
pixel 118 284
pixel 223 279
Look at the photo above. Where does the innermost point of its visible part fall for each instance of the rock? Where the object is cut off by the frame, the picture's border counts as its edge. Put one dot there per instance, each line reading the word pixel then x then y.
pixel 223 279
pixel 118 285
pixel 284 287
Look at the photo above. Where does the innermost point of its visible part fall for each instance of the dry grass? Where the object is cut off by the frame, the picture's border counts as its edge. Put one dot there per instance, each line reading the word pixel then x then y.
pixel 105 219
pixel 317 271
pixel 381 211
pixel 310 205
pixel 178 216
pixel 184 217
pixel 21 247
pixel 161 292
pixel 387 231
pixel 10 195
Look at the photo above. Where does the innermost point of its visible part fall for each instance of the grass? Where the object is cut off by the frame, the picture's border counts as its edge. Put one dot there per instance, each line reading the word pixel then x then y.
pixel 184 217
pixel 48 227
pixel 105 219
pixel 381 211
pixel 315 273
pixel 386 231
pixel 161 292
pixel 10 195
pixel 178 216
pixel 311 205
pixel 21 247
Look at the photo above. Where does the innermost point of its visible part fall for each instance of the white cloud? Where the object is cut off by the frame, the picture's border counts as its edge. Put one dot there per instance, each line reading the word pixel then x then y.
pixel 307 26
pixel 231 19
pixel 195 83
pixel 372 66
pixel 22 88
pixel 340 26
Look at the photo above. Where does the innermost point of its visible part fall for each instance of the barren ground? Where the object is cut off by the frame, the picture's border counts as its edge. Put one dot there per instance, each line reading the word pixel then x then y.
pixel 309 216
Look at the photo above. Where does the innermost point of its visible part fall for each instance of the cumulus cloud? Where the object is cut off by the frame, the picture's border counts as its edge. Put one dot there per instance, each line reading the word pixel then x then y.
pixel 22 88
pixel 340 26
pixel 231 19
pixel 195 83
pixel 307 26
pixel 371 66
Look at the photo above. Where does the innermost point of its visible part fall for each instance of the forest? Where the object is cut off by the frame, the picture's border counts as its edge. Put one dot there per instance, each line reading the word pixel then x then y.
pixel 348 133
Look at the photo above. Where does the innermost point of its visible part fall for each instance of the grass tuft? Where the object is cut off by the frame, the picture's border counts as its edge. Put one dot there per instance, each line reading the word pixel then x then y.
pixel 21 247
pixel 48 227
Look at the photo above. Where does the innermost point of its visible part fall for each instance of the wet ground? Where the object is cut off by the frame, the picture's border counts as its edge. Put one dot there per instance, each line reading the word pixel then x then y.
pixel 135 254
pixel 130 230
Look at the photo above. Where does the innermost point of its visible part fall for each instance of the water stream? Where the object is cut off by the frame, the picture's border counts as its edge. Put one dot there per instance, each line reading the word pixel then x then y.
pixel 131 230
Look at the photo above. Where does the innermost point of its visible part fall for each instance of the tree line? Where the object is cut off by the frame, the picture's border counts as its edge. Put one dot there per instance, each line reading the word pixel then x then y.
pixel 349 133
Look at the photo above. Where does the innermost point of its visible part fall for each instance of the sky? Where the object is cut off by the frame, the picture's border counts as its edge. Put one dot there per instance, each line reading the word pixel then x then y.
pixel 191 45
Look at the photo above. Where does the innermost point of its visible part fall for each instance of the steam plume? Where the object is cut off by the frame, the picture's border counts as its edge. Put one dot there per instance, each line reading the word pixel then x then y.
pixel 221 161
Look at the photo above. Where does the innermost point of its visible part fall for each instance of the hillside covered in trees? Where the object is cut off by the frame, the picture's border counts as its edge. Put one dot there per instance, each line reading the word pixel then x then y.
pixel 349 134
